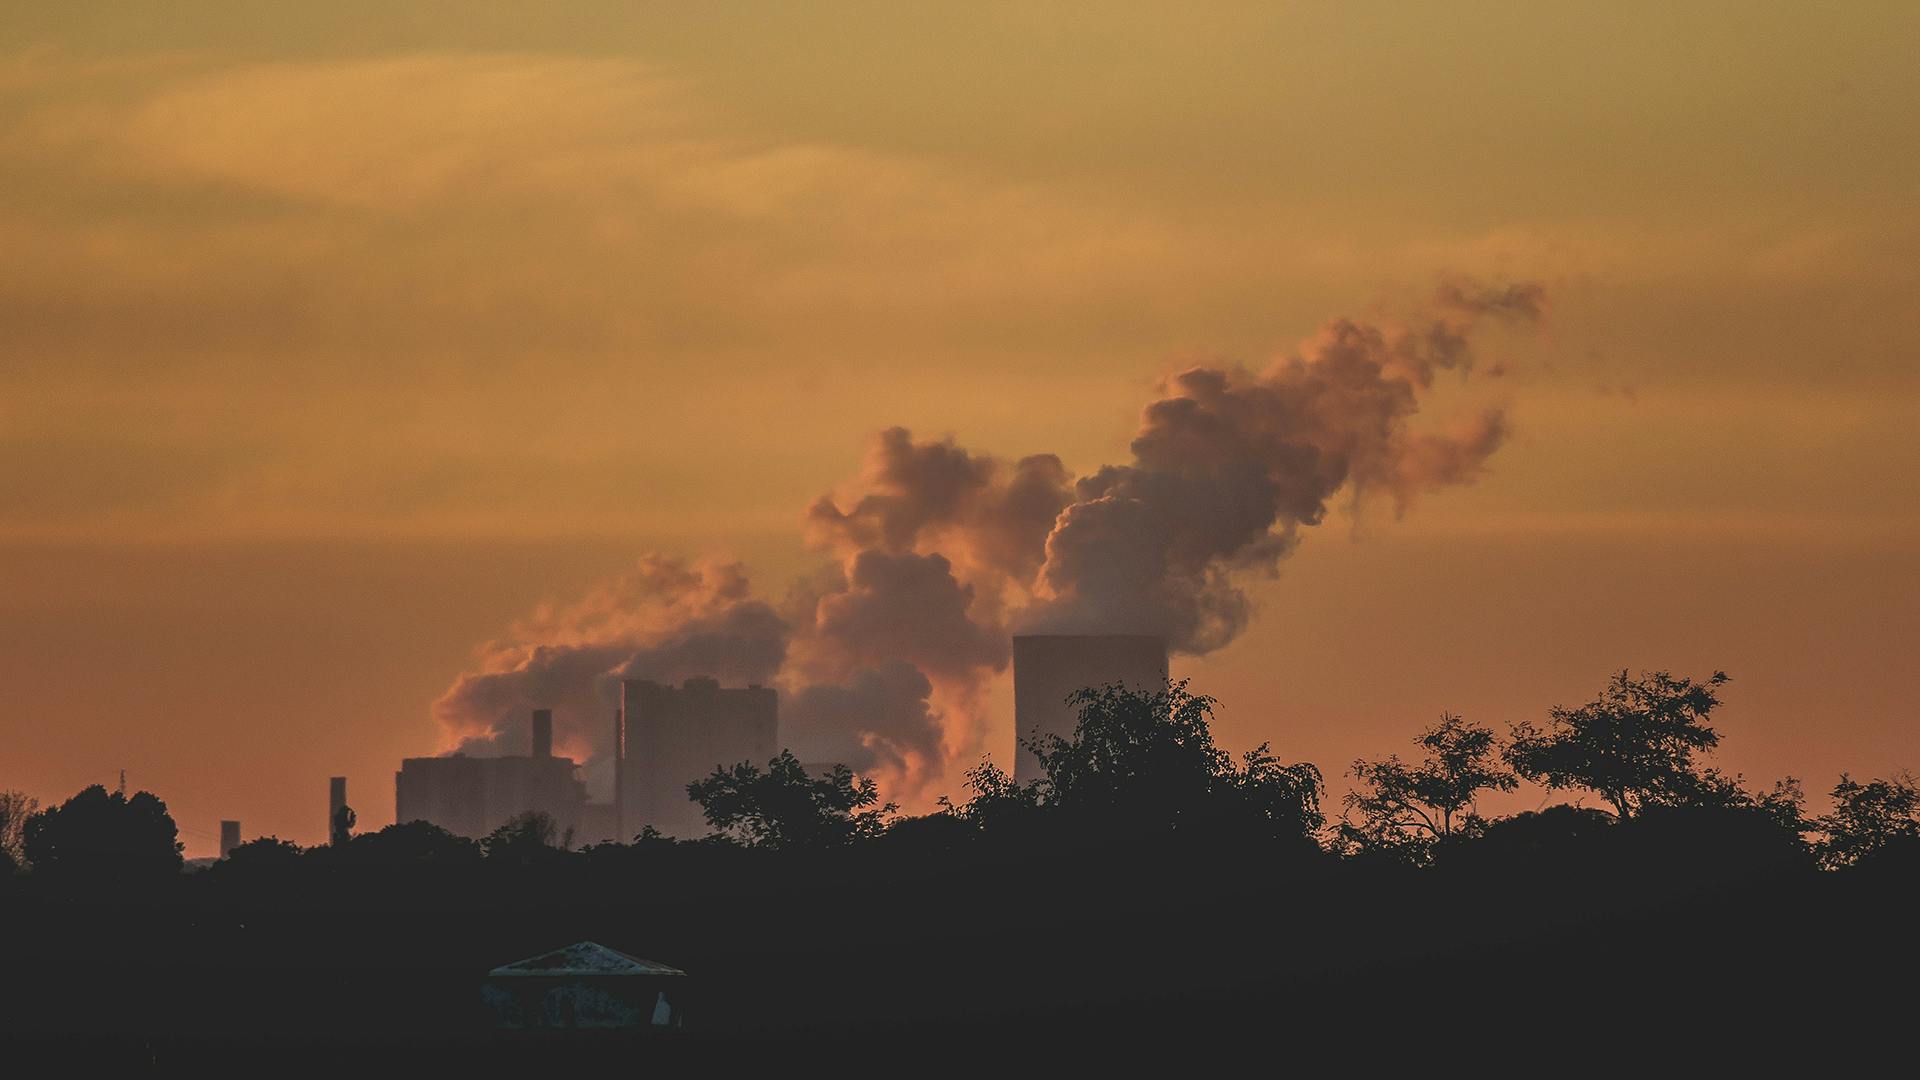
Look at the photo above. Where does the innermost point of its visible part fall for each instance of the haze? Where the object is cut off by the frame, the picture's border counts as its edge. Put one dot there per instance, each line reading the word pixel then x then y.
pixel 334 343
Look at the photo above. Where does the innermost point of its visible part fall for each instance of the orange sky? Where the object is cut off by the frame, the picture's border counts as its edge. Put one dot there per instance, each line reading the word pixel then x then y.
pixel 333 342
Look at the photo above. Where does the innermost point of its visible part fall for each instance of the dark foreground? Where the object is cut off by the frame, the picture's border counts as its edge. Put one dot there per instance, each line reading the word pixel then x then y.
pixel 925 957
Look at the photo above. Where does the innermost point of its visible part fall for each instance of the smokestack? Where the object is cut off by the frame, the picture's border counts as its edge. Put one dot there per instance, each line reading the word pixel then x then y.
pixel 229 837
pixel 542 733
pixel 336 800
pixel 1047 668
pixel 620 834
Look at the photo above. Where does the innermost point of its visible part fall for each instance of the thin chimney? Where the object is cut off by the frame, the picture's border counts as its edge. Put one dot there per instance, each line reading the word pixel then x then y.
pixel 542 733
pixel 620 776
pixel 336 798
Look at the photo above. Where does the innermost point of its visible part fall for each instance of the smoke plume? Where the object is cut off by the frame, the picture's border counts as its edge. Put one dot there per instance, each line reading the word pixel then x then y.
pixel 937 554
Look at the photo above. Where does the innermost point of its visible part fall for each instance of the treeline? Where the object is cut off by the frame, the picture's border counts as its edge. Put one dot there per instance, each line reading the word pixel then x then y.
pixel 1142 769
pixel 1149 889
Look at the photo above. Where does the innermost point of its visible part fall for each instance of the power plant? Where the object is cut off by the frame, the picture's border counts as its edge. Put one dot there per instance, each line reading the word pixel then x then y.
pixel 665 738
pixel 1048 668
pixel 472 796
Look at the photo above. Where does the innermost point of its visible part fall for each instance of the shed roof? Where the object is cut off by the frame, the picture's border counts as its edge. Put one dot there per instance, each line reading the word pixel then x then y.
pixel 584 958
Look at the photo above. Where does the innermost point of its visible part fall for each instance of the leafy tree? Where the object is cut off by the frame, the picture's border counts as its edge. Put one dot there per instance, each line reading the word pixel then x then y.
pixel 530 834
pixel 266 856
pixel 96 833
pixel 340 828
pixel 1406 809
pixel 1869 818
pixel 998 803
pixel 1633 746
pixel 410 842
pixel 1147 762
pixel 785 807
pixel 15 808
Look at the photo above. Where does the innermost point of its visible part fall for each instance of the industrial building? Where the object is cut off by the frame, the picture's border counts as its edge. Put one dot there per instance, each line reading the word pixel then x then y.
pixel 666 738
pixel 473 796
pixel 1048 668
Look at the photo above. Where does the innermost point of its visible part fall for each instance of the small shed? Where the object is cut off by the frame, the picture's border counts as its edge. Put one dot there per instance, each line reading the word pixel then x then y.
pixel 586 985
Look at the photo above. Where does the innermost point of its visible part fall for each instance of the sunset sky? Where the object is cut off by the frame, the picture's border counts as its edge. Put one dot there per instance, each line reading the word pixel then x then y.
pixel 336 339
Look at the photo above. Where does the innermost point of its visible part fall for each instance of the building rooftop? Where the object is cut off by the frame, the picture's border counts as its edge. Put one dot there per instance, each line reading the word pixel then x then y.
pixel 584 958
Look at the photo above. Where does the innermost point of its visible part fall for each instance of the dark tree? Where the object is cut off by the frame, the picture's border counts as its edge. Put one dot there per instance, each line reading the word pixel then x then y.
pixel 998 803
pixel 414 842
pixel 1146 762
pixel 530 834
pixel 15 808
pixel 97 833
pixel 784 807
pixel 1405 809
pixel 266 856
pixel 341 827
pixel 1869 818
pixel 1633 746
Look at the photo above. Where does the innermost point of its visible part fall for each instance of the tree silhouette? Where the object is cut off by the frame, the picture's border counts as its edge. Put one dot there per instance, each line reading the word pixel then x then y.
pixel 1146 762
pixel 340 828
pixel 530 834
pixel 998 803
pixel 784 807
pixel 1406 809
pixel 100 834
pixel 1870 818
pixel 410 843
pixel 1633 746
pixel 263 857
pixel 15 808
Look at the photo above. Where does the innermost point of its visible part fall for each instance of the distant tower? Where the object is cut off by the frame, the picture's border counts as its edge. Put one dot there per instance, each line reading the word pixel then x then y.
pixel 336 802
pixel 543 733
pixel 669 737
pixel 620 832
pixel 1047 668
pixel 229 837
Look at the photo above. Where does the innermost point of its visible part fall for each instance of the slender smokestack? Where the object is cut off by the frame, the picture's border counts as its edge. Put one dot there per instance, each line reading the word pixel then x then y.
pixel 620 776
pixel 336 800
pixel 543 733
pixel 229 837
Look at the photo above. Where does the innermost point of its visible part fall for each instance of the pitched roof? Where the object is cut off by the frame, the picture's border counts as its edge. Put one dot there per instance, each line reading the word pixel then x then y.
pixel 584 958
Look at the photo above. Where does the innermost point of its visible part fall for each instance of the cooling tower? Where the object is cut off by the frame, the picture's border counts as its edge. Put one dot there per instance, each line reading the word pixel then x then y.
pixel 229 837
pixel 1047 668
pixel 670 737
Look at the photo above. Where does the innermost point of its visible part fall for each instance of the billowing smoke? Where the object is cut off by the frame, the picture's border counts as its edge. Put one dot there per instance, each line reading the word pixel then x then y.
pixel 663 620
pixel 880 721
pixel 1229 465
pixel 940 553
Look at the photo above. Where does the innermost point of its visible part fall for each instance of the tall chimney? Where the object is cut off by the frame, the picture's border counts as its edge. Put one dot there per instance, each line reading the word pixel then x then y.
pixel 620 776
pixel 543 733
pixel 336 798
pixel 229 837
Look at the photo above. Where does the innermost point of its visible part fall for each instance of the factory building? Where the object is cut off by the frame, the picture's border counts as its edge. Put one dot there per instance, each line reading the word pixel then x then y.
pixel 473 796
pixel 1047 668
pixel 667 737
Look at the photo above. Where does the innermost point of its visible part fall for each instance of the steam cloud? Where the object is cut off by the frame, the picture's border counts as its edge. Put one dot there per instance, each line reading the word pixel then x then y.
pixel 884 656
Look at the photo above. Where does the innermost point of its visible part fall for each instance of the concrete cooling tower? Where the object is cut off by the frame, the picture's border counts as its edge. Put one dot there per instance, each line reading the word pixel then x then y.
pixel 1049 667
